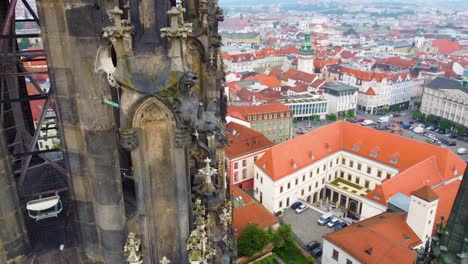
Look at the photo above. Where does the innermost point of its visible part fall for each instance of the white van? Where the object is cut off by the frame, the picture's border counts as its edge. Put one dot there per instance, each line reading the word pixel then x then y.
pixel 461 151
pixel 367 122
pixel 325 218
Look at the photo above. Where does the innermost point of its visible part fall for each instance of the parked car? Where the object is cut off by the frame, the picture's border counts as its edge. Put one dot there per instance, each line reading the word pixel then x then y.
pixel 340 226
pixel 296 205
pixel 411 122
pixel 360 120
pixel 367 122
pixel 452 143
pixel 430 128
pixel 352 120
pixel 323 220
pixel 396 115
pixel 313 245
pixel 301 208
pixel 333 222
pixel 461 151
pixel 317 252
pixel 453 135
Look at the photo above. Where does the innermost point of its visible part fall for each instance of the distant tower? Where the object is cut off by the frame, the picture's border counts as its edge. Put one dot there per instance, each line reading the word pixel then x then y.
pixel 306 54
pixel 422 211
pixel 419 39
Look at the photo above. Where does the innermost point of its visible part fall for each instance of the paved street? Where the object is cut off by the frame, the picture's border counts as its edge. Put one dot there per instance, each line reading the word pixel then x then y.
pixel 306 126
pixel 305 225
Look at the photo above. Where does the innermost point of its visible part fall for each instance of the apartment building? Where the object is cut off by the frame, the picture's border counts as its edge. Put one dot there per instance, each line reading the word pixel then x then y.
pixel 245 147
pixel 446 98
pixel 379 90
pixel 341 98
pixel 272 120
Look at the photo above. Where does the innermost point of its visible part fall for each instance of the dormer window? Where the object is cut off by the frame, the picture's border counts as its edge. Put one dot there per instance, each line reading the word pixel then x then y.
pixel 356 148
pixel 377 196
pixel 373 153
pixel 393 160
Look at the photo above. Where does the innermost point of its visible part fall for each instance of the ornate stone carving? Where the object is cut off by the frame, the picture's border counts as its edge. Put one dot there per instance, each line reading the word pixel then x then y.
pixel 182 137
pixel 198 245
pixel 177 33
pixel 120 34
pixel 127 138
pixel 164 260
pixel 132 249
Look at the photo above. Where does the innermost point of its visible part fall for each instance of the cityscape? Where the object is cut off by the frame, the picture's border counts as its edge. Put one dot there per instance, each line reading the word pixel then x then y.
pixel 206 131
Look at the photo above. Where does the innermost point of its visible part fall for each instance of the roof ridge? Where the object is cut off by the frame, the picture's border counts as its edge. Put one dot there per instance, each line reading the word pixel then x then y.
pixel 388 238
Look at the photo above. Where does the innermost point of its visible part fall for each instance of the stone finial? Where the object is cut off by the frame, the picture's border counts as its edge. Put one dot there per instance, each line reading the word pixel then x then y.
pixel 164 260
pixel 132 249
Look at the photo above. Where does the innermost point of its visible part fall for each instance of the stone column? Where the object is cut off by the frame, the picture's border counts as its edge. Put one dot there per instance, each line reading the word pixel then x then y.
pixel 14 243
pixel 89 131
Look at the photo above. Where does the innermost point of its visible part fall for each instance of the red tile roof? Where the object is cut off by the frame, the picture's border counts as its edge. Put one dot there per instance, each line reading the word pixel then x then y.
pixel 244 140
pixel 370 91
pixel 378 76
pixel 299 76
pixel 445 46
pixel 343 135
pixel 322 63
pixel 385 239
pixel 425 193
pixel 251 213
pixel 276 72
pixel 259 109
pixel 269 80
pixel 398 61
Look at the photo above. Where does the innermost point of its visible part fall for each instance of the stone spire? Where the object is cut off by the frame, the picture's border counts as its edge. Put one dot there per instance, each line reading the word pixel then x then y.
pixel 451 244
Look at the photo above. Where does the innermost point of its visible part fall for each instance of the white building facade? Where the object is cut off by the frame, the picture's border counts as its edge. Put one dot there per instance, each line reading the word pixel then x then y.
pixel 379 91
pixel 341 98
pixel 333 178
pixel 447 99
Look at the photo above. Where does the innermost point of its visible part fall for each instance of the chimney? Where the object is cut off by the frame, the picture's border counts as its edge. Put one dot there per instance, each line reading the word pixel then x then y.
pixel 422 211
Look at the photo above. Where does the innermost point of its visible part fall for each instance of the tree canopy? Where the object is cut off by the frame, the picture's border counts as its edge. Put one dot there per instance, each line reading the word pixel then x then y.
pixel 252 240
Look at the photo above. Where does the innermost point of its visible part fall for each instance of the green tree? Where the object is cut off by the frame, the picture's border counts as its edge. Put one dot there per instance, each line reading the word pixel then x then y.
pixel 417 115
pixel 461 130
pixel 350 113
pixel 444 124
pixel 282 238
pixel 431 119
pixel 317 117
pixel 396 108
pixel 295 120
pixel 332 117
pixel 252 240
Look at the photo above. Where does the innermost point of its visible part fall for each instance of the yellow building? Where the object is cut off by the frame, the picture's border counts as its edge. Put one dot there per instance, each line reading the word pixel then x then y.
pixel 253 38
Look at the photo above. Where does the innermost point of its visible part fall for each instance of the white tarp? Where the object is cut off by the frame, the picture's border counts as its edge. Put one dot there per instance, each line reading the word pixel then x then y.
pixel 43 203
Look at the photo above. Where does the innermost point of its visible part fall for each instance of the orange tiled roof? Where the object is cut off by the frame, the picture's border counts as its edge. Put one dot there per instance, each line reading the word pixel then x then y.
pixel 299 75
pixel 385 239
pixel 343 135
pixel 244 140
pixel 317 84
pixel 251 213
pixel 276 72
pixel 269 80
pixel 446 46
pixel 370 91
pixel 322 63
pixel 259 109
pixel 378 76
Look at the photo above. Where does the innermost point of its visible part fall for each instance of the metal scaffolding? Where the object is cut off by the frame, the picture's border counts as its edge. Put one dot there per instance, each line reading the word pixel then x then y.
pixel 38 172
